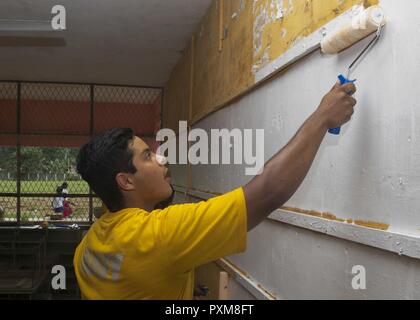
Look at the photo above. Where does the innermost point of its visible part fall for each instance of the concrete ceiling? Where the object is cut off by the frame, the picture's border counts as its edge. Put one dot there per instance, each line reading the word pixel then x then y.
pixel 135 42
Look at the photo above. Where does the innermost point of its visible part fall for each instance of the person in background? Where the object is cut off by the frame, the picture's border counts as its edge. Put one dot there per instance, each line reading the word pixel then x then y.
pixel 58 201
pixel 67 209
pixel 64 188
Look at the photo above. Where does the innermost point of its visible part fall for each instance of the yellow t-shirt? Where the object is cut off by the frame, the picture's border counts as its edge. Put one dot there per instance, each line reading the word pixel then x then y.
pixel 134 254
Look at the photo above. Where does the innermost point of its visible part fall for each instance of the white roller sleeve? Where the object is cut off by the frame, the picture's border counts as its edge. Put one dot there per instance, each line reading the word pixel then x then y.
pixel 363 24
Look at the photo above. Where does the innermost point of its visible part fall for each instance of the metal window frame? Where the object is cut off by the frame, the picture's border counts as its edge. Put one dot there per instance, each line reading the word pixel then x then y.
pixel 91 196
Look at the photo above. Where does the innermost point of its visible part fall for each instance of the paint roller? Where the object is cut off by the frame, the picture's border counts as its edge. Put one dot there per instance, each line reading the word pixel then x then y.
pixel 365 23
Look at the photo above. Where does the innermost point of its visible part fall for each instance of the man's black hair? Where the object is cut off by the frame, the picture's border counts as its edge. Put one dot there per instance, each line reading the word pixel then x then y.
pixel 100 160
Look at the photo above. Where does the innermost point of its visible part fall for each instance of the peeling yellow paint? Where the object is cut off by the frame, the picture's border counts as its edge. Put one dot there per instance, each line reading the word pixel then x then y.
pixel 299 18
pixel 330 216
pixel 372 224
pixel 278 34
pixel 253 33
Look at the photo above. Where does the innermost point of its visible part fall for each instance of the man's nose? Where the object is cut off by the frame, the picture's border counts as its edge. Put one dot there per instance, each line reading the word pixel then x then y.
pixel 162 160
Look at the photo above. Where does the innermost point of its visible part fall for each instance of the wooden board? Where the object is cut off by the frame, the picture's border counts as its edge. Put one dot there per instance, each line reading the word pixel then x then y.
pixel 216 279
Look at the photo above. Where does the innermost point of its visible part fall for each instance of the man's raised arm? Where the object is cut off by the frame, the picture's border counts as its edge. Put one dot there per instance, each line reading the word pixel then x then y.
pixel 285 172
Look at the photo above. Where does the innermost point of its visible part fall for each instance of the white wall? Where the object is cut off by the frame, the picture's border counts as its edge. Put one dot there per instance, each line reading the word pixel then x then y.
pixel 294 263
pixel 371 172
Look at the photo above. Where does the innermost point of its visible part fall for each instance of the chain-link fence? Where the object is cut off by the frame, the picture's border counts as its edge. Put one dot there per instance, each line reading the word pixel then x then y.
pixel 43 125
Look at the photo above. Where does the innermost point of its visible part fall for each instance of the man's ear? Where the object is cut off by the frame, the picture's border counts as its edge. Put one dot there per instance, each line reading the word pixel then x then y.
pixel 125 181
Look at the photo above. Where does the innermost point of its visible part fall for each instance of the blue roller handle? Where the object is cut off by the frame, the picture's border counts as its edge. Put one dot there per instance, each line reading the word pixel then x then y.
pixel 343 80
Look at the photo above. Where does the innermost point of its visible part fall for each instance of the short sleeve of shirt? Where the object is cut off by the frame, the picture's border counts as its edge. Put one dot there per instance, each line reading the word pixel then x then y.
pixel 195 234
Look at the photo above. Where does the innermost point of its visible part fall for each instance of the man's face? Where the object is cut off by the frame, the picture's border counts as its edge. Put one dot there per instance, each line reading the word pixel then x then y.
pixel 152 180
